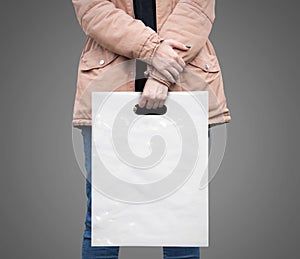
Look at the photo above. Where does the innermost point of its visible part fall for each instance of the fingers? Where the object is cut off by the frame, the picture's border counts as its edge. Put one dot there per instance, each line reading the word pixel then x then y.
pixel 179 65
pixel 180 62
pixel 178 45
pixel 167 61
pixel 161 98
pixel 147 100
pixel 168 75
pixel 161 103
pixel 154 95
pixel 143 101
pixel 169 69
pixel 149 104
pixel 175 73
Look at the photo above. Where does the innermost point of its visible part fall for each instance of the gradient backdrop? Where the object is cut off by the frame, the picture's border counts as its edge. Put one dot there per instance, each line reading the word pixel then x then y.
pixel 254 200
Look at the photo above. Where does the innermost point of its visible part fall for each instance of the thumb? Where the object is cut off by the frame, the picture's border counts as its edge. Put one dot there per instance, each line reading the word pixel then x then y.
pixel 178 45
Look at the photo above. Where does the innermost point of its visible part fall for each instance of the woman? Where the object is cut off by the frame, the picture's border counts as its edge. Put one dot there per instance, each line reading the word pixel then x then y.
pixel 165 39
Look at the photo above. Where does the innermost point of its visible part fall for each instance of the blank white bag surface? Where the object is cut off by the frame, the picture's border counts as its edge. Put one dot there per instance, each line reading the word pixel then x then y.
pixel 144 203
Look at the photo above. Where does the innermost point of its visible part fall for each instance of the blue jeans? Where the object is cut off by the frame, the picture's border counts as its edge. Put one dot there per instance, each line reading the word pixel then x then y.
pixel 112 252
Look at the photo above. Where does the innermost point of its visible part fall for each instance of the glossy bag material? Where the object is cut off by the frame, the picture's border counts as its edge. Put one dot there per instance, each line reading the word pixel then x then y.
pixel 148 170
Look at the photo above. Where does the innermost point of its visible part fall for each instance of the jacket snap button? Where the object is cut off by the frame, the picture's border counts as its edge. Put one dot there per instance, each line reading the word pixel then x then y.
pixel 101 62
pixel 206 66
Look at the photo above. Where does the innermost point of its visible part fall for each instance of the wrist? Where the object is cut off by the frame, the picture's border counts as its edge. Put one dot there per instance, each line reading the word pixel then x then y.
pixel 152 74
pixel 156 47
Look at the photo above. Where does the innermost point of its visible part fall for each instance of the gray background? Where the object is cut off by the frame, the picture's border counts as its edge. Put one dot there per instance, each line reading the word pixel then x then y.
pixel 254 200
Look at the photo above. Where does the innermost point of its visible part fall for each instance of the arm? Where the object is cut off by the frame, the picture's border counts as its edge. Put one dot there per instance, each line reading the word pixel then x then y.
pixel 115 30
pixel 190 23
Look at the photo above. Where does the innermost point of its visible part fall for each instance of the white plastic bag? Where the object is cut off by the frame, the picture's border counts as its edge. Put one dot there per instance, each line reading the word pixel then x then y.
pixel 147 169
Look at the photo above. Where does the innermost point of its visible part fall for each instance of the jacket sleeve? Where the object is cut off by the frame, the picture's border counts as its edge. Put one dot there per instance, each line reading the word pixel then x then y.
pixel 115 30
pixel 190 23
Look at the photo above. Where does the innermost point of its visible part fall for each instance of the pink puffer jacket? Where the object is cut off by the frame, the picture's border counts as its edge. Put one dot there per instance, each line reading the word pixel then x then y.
pixel 116 40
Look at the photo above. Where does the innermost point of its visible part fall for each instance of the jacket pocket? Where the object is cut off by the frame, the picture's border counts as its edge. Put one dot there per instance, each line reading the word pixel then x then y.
pixel 96 58
pixel 207 63
pixel 206 67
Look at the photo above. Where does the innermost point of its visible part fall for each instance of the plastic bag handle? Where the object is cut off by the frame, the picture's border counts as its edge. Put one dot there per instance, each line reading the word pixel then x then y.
pixel 144 111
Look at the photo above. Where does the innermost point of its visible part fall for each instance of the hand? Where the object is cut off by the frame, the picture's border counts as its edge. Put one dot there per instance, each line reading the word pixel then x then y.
pixel 167 61
pixel 154 94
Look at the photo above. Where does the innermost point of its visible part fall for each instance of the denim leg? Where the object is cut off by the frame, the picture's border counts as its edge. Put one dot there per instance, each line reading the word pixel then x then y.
pixel 89 252
pixel 98 252
pixel 172 252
